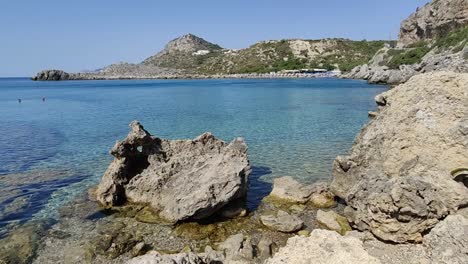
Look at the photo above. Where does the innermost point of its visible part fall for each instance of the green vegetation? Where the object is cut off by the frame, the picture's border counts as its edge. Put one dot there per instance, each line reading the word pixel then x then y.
pixel 457 38
pixel 410 56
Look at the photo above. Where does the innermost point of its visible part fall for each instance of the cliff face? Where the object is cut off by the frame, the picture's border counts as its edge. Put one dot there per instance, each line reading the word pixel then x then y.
pixel 434 20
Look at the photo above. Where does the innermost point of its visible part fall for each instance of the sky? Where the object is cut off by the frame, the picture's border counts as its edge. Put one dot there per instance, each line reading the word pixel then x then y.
pixel 90 34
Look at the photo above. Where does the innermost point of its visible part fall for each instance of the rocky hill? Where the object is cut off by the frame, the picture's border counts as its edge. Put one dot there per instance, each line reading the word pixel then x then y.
pixel 433 21
pixel 189 56
pixel 434 38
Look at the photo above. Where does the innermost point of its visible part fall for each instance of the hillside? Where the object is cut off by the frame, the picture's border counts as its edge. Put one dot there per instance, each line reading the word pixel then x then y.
pixel 191 55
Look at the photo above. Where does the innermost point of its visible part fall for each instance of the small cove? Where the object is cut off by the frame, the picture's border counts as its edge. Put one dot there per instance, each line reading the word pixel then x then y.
pixel 54 150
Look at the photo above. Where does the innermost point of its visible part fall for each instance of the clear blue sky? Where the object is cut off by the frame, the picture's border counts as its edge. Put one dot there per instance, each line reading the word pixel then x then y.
pixel 89 34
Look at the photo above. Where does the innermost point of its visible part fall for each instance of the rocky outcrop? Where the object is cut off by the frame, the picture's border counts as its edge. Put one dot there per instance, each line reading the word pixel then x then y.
pixel 51 75
pixel 397 180
pixel 322 247
pixel 179 179
pixel 446 243
pixel 433 20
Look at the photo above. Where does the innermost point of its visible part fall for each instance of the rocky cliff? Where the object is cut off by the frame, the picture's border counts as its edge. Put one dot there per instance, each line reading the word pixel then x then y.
pixel 434 38
pixel 433 21
pixel 407 168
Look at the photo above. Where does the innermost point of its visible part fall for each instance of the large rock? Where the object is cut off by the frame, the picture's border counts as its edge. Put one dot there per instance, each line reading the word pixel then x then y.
pixel 433 20
pixel 322 247
pixel 397 180
pixel 447 242
pixel 179 179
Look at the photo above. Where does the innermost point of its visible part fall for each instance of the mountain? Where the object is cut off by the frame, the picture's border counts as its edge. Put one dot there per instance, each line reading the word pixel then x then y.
pixel 190 55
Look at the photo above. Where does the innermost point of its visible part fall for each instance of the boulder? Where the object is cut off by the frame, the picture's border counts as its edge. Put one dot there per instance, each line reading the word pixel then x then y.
pixel 333 221
pixel 323 247
pixel 447 242
pixel 178 179
pixel 282 222
pixel 397 179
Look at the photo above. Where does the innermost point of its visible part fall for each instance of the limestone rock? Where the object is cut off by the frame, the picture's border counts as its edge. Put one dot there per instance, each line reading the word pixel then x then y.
pixel 237 248
pixel 397 180
pixel 287 188
pixel 447 242
pixel 179 179
pixel 322 247
pixel 282 222
pixel 433 20
pixel 156 258
pixel 321 196
pixel 333 221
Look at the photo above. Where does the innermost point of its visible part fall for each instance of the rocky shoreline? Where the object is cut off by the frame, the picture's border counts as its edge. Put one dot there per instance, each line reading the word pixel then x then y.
pixel 58 75
pixel 401 197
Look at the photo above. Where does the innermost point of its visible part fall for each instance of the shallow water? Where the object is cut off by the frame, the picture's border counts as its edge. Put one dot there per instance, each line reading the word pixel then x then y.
pixel 53 150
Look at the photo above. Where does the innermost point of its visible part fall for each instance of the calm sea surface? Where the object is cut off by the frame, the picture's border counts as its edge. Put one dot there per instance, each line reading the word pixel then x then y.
pixel 53 150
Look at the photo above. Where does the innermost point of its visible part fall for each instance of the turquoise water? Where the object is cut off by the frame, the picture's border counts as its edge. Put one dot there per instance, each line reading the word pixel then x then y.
pixel 292 127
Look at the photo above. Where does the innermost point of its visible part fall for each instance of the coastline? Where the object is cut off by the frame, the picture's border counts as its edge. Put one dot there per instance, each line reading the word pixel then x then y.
pixel 62 76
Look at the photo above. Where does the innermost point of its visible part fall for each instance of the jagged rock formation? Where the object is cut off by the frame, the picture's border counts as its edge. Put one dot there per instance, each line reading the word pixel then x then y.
pixel 179 179
pixel 434 20
pixel 397 180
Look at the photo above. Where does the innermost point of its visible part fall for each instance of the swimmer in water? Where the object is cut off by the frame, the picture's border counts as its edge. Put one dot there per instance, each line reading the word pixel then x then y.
pixel 43 99
pixel 19 101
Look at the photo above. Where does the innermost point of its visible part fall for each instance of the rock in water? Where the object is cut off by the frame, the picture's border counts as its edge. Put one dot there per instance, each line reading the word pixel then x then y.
pixel 323 247
pixel 179 179
pixel 51 75
pixel 397 181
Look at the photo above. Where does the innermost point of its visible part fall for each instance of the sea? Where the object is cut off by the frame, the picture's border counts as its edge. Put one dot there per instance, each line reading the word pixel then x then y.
pixel 55 137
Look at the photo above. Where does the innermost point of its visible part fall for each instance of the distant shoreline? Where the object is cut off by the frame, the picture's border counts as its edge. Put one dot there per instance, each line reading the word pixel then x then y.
pixel 93 76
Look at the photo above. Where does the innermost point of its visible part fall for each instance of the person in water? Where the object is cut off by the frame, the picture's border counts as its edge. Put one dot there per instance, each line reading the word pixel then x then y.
pixel 19 101
pixel 43 99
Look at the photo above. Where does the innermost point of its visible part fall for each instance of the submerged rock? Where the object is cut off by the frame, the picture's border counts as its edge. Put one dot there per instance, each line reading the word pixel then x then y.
pixel 322 247
pixel 397 180
pixel 179 179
